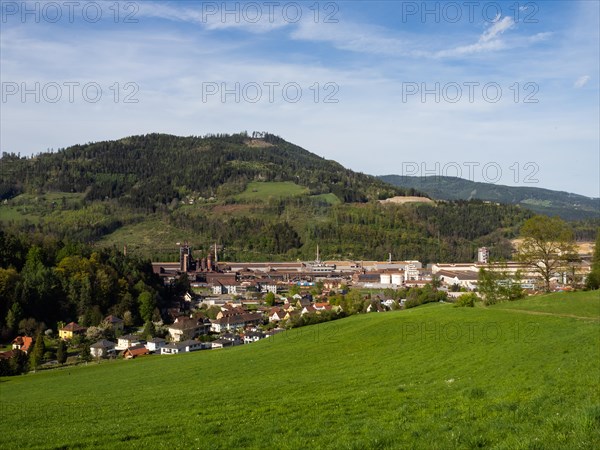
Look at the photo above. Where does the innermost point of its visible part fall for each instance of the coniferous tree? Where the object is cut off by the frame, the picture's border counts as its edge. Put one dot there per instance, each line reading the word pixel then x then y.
pixel 61 352
pixel 37 354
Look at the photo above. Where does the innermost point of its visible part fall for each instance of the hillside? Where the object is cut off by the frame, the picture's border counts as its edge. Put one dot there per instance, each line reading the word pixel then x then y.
pixel 542 201
pixel 152 170
pixel 433 377
pixel 261 199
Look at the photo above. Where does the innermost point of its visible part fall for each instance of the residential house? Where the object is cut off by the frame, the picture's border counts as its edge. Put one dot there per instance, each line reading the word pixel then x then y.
pixel 291 314
pixel 186 328
pixel 234 338
pixel 70 330
pixel 23 343
pixel 310 309
pixel 276 314
pixel 253 336
pixel 221 343
pixel 102 349
pixel 287 307
pixel 115 322
pixel 126 341
pixel 235 322
pixel 135 351
pixel 155 344
pixel 174 348
pixel 304 301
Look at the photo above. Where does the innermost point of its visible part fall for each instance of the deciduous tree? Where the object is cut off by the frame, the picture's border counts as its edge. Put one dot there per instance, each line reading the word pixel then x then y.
pixel 547 246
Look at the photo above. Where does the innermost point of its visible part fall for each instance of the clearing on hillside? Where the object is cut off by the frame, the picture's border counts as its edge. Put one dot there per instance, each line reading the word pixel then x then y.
pixel 258 190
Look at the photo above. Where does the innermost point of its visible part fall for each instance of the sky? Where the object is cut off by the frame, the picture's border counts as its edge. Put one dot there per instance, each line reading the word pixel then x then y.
pixel 500 92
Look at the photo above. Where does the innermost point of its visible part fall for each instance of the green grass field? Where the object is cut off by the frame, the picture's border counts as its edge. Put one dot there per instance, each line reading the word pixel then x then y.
pixel 563 303
pixel 257 190
pixel 433 377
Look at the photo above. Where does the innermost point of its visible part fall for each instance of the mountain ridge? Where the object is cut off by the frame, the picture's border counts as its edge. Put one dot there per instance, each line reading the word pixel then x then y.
pixel 567 205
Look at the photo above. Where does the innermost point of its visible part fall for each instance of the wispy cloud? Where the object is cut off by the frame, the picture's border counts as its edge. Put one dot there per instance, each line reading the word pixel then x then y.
pixel 488 41
pixel 255 18
pixel 581 81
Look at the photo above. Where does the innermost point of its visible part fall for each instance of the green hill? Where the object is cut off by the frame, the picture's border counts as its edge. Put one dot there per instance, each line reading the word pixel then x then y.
pixel 433 377
pixel 261 199
pixel 542 201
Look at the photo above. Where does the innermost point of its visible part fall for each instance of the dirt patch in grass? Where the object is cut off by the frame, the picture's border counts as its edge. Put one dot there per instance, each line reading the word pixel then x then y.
pixel 402 200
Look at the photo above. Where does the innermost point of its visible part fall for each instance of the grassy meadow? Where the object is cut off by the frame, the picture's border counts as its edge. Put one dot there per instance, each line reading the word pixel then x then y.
pixel 261 191
pixel 434 377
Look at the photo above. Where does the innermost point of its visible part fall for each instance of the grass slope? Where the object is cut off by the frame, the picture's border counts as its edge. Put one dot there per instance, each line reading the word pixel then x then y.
pixel 262 191
pixel 429 377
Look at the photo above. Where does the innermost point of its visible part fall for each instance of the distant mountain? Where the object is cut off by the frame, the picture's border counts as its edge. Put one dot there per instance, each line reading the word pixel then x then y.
pixel 258 199
pixel 543 201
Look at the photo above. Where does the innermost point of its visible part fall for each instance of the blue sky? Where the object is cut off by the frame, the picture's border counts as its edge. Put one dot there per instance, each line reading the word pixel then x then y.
pixel 505 92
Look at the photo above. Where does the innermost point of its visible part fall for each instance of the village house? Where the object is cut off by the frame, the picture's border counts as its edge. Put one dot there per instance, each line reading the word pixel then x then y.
pixel 235 322
pixel 70 330
pixel 116 323
pixel 135 351
pixel 253 336
pixel 23 343
pixel 276 314
pixel 129 340
pixel 185 328
pixel 102 349
pixel 221 343
pixel 233 338
pixel 155 344
pixel 291 314
pixel 174 348
pixel 310 309
pixel 287 307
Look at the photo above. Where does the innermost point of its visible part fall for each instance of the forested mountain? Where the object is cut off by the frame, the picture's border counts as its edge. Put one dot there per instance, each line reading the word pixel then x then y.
pixel 543 201
pixel 152 170
pixel 259 199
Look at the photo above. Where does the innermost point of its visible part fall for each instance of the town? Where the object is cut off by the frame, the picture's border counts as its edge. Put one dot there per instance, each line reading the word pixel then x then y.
pixel 227 304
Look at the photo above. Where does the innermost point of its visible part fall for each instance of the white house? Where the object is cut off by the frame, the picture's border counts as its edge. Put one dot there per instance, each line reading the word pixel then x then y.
pixel 155 344
pixel 253 336
pixel 129 340
pixel 102 349
pixel 181 347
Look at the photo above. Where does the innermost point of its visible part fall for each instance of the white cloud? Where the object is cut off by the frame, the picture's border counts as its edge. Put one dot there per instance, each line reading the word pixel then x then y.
pixel 582 81
pixel 488 41
pixel 252 17
pixel 498 27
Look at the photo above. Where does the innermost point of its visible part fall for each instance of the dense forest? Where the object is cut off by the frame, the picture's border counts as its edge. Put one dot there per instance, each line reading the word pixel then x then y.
pixel 44 281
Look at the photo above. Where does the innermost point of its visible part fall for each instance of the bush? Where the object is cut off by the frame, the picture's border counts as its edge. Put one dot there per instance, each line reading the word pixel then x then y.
pixel 466 300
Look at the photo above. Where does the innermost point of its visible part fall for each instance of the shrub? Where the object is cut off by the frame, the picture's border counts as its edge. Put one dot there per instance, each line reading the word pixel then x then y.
pixel 466 300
